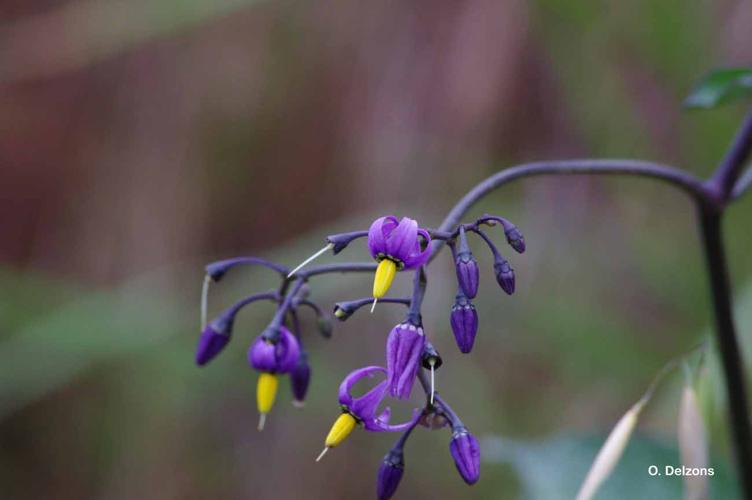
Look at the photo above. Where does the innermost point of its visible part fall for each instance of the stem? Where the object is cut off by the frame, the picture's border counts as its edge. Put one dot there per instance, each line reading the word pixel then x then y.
pixel 743 185
pixel 348 267
pixel 731 166
pixel 419 291
pixel 729 348
pixel 677 178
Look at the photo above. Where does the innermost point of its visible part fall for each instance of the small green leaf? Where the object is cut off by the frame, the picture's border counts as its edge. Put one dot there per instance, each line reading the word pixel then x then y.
pixel 721 86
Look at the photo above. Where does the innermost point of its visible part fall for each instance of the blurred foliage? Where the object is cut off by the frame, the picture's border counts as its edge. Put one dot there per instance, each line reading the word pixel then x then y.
pixel 720 87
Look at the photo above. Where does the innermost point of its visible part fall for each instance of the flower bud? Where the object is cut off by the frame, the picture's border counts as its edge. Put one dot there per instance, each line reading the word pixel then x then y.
pixel 466 267
pixel 466 454
pixel 504 275
pixel 515 238
pixel 300 377
pixel 464 321
pixel 390 474
pixel 213 339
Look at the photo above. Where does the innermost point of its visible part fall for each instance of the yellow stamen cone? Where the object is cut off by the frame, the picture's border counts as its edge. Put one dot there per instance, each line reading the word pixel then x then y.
pixel 266 391
pixel 383 278
pixel 342 428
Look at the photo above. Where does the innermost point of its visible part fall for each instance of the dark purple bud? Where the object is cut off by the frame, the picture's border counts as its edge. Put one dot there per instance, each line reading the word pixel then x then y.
pixel 464 321
pixel 430 357
pixel 276 353
pixel 466 266
pixel 300 376
pixel 466 454
pixel 213 339
pixel 390 474
pixel 515 238
pixel 404 348
pixel 504 275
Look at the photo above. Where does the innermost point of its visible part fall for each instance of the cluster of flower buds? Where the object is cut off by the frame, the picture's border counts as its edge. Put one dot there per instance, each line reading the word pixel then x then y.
pixel 396 246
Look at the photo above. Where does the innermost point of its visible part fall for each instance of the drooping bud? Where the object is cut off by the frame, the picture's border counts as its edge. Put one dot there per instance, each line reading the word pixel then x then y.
pixel 390 473
pixel 404 349
pixel 213 339
pixel 300 377
pixel 464 321
pixel 514 238
pixel 468 275
pixel 504 275
pixel 465 451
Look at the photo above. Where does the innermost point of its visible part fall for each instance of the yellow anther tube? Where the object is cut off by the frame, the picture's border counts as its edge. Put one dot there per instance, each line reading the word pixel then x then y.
pixel 342 428
pixel 383 278
pixel 266 391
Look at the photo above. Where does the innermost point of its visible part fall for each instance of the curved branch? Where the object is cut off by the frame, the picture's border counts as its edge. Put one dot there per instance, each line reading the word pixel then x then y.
pixel 731 166
pixel 671 175
pixel 741 187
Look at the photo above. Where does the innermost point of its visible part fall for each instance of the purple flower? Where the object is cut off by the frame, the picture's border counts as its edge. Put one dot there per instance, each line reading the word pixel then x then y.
pixel 390 474
pixel 464 321
pixel 278 355
pixel 466 454
pixel 300 377
pixel 213 339
pixel 404 348
pixel 364 408
pixel 504 275
pixel 468 274
pixel 399 241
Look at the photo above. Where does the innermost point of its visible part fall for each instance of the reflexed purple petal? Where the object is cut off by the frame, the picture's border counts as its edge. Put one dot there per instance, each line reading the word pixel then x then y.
pixel 404 348
pixel 353 378
pixel 465 451
pixel 389 476
pixel 210 344
pixel 400 243
pixel 420 253
pixel 378 232
pixel 375 425
pixel 385 415
pixel 464 321
pixel 365 406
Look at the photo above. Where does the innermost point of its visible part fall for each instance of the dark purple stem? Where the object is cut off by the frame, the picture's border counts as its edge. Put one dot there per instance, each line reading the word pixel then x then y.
pixel 731 166
pixel 348 267
pixel 419 291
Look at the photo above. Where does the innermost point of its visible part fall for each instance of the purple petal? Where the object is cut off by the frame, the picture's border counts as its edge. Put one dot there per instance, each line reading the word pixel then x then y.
pixel 288 351
pixel 374 425
pixel 419 255
pixel 378 232
pixel 365 406
pixel 261 355
pixel 400 243
pixel 353 378
pixel 404 348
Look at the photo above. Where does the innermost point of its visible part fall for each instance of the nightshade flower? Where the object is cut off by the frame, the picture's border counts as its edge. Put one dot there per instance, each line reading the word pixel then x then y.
pixel 465 451
pixel 272 354
pixel 404 348
pixel 464 321
pixel 362 410
pixel 396 246
pixel 504 275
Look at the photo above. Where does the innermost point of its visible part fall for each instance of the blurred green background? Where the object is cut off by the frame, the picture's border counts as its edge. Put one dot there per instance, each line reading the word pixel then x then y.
pixel 139 140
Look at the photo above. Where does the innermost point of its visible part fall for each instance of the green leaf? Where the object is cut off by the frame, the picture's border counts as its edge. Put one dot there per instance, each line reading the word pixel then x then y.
pixel 720 87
